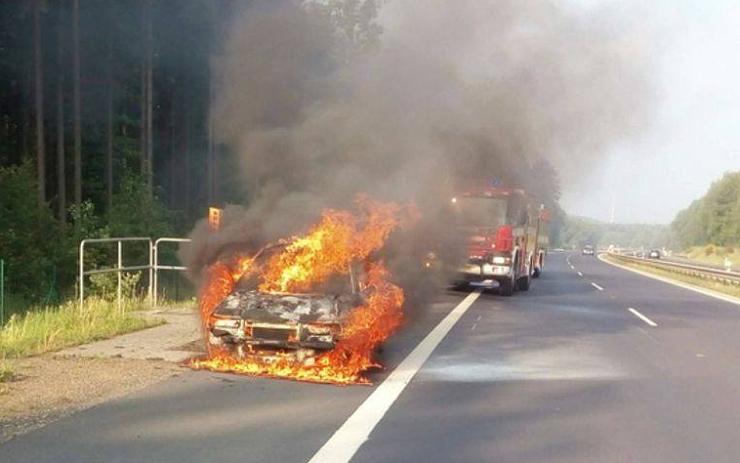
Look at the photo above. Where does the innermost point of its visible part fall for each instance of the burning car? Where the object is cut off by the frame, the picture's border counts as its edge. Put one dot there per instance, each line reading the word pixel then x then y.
pixel 250 322
pixel 311 308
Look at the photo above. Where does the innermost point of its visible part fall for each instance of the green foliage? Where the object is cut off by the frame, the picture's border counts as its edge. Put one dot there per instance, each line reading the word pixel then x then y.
pixel 714 218
pixel 29 236
pixel 41 258
pixel 136 213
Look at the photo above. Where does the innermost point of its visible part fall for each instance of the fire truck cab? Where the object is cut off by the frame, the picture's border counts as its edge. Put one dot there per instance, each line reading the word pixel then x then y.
pixel 505 238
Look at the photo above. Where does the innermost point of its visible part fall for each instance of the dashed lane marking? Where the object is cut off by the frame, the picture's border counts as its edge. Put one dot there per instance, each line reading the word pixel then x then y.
pixel 642 317
pixel 345 442
pixel 597 286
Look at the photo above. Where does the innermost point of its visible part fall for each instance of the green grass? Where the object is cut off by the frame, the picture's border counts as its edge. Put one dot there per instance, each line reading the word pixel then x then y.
pixel 724 288
pixel 46 329
pixel 715 255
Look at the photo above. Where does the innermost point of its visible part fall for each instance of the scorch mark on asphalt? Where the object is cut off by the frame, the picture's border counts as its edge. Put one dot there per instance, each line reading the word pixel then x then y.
pixel 345 442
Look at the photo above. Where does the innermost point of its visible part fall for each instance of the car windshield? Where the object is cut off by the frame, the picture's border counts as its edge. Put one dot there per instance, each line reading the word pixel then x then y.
pixel 481 211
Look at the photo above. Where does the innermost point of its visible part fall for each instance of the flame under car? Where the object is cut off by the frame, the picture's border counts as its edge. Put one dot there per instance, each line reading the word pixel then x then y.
pixel 279 325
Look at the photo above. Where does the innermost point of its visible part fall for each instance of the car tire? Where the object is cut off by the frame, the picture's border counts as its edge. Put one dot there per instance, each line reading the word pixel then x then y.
pixel 523 284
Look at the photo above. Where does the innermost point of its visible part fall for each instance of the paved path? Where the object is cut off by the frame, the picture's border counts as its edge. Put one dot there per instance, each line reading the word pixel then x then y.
pixel 174 341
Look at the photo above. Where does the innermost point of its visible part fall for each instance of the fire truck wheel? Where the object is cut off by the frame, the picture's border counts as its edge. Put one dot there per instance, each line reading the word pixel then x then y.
pixel 506 288
pixel 523 284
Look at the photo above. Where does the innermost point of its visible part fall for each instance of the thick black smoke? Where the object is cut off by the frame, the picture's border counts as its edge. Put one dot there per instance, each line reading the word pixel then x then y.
pixel 319 107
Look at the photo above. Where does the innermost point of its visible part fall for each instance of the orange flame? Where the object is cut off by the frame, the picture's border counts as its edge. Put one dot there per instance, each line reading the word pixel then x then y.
pixel 328 249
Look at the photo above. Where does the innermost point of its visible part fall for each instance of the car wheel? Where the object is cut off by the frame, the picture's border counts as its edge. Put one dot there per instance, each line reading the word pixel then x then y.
pixel 506 288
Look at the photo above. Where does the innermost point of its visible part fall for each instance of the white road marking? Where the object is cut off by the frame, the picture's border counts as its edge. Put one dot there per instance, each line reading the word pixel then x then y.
pixel 597 286
pixel 472 328
pixel 580 274
pixel 479 317
pixel 706 292
pixel 345 442
pixel 572 268
pixel 642 317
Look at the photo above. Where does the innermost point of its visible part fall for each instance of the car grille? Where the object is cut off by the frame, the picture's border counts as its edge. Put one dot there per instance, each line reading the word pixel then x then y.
pixel 273 334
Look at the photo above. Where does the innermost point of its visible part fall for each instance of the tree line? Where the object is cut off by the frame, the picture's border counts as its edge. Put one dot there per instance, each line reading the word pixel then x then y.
pixel 104 127
pixel 713 218
pixel 95 91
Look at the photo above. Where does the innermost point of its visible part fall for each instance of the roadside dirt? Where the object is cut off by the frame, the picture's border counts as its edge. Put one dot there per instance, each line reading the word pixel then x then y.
pixel 49 387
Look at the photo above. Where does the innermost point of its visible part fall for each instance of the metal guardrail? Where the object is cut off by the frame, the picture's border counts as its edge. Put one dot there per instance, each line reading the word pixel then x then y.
pixel 119 268
pixel 153 265
pixel 708 273
pixel 157 267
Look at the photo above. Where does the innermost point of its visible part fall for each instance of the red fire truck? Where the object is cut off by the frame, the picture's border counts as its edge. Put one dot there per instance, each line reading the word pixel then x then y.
pixel 505 234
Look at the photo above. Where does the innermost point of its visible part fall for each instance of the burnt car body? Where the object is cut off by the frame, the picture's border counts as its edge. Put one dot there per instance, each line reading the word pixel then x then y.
pixel 249 322
pixel 252 322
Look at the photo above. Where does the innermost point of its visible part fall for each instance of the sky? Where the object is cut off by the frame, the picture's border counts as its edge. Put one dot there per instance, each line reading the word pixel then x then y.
pixel 694 133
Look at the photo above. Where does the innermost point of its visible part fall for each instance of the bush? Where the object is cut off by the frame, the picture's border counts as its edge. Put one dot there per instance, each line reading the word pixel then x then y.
pixel 709 250
pixel 30 237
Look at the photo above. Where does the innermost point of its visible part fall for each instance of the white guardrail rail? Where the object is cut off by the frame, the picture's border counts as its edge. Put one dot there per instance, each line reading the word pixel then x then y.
pixel 707 273
pixel 152 265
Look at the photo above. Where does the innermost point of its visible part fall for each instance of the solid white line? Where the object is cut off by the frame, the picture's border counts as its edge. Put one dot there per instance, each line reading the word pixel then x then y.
pixel 597 286
pixel 642 317
pixel 345 442
pixel 705 292
pixel 580 274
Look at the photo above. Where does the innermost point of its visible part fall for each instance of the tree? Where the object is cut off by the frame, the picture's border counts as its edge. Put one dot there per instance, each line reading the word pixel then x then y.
pixel 61 176
pixel 109 116
pixel 76 97
pixel 39 104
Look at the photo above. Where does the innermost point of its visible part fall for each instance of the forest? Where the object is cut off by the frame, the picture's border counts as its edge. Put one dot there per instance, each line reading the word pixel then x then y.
pixel 105 128
pixel 714 218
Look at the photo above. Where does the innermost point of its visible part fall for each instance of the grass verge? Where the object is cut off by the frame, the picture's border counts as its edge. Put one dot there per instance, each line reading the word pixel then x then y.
pixel 45 329
pixel 723 288
pixel 715 255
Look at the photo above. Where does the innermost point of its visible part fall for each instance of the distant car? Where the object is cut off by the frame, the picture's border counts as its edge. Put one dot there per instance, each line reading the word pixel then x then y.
pixel 588 250
pixel 557 250
pixel 654 254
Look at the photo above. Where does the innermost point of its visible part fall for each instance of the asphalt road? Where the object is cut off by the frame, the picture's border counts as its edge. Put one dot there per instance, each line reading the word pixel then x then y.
pixel 565 372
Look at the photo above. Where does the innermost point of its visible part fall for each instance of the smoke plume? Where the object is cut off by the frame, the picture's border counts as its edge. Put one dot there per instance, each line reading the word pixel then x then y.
pixel 321 101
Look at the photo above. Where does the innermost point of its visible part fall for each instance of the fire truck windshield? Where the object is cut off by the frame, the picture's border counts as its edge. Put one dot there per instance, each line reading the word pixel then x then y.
pixel 481 211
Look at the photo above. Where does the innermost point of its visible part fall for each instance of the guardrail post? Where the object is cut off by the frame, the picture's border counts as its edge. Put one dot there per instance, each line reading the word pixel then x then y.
pixel 120 277
pixel 151 271
pixel 2 292
pixel 156 274
pixel 82 273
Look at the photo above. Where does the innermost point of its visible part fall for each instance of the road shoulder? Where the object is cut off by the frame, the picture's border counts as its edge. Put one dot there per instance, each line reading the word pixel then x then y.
pixel 670 281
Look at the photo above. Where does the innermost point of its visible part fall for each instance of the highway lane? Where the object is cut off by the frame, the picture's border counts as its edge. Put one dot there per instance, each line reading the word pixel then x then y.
pixel 564 372
pixel 568 373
